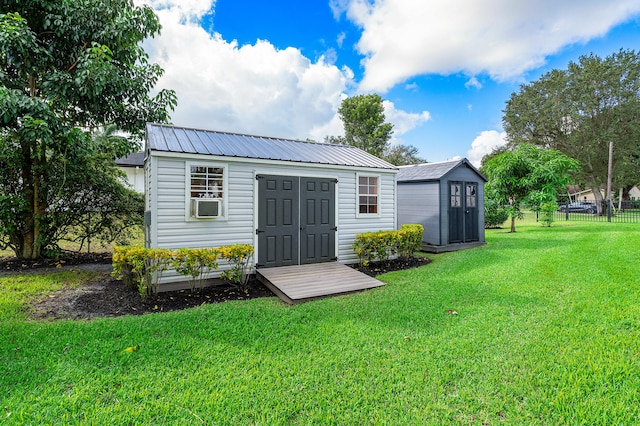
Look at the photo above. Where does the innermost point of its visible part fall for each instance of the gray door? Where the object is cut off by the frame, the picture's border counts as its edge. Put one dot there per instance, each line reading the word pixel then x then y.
pixel 463 212
pixel 296 220
pixel 471 232
pixel 317 220
pixel 278 225
pixel 456 215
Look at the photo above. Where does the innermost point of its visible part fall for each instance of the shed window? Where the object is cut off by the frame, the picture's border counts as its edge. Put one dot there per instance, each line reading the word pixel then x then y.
pixel 207 182
pixel 368 194
pixel 455 195
pixel 472 189
pixel 206 191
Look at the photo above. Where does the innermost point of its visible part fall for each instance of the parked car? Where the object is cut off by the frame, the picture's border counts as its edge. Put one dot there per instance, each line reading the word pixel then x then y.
pixel 579 207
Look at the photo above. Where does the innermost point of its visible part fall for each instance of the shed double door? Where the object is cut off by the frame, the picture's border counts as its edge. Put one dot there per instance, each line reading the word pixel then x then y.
pixel 296 220
pixel 463 212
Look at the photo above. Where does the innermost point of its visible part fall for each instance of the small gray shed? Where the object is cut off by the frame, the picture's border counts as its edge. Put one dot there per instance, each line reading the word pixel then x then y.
pixel 296 202
pixel 447 198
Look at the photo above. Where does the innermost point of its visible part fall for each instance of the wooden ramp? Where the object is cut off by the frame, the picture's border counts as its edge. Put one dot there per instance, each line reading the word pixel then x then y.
pixel 301 283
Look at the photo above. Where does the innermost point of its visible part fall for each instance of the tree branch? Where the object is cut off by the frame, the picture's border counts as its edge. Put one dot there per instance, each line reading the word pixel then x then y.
pixel 73 65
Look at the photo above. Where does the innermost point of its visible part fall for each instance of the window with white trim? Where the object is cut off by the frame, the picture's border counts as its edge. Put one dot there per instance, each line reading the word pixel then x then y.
pixel 368 194
pixel 206 189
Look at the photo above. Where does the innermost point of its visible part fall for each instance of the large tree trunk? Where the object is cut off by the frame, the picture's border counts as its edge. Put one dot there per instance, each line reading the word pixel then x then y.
pixel 513 224
pixel 29 247
pixel 597 195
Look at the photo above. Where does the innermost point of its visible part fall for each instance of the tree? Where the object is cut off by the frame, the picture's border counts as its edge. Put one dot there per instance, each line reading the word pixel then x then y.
pixel 579 111
pixel 68 67
pixel 364 124
pixel 526 174
pixel 402 155
pixel 364 127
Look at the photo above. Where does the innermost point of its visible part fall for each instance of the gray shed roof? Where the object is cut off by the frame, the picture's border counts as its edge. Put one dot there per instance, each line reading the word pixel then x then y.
pixel 432 171
pixel 132 160
pixel 192 141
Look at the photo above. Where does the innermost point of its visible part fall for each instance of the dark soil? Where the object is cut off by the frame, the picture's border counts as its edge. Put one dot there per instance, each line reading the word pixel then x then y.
pixel 377 268
pixel 108 297
pixel 12 264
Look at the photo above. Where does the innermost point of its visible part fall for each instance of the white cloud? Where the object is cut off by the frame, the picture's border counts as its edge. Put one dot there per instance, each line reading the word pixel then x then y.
pixel 187 10
pixel 338 7
pixel 503 38
pixel 483 144
pixel 413 87
pixel 255 89
pixel 403 121
pixel 473 82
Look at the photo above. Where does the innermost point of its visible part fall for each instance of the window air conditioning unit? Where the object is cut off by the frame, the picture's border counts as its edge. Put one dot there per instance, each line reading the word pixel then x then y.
pixel 204 208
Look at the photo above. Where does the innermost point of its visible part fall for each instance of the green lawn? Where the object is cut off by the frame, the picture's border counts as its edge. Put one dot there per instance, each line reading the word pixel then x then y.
pixel 547 331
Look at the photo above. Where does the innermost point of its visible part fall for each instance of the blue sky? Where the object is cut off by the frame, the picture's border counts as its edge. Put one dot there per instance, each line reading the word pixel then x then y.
pixel 445 67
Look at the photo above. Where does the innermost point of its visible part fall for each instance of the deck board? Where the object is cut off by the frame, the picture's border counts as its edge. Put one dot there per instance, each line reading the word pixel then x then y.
pixel 300 283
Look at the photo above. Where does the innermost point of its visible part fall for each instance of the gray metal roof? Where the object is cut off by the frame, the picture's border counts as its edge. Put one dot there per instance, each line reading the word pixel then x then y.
pixel 132 160
pixel 192 141
pixel 432 171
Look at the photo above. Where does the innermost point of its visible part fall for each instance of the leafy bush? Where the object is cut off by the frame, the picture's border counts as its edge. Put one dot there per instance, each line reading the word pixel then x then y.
pixel 195 264
pixel 128 264
pixel 546 212
pixel 383 245
pixel 409 240
pixel 141 268
pixel 494 214
pixel 237 255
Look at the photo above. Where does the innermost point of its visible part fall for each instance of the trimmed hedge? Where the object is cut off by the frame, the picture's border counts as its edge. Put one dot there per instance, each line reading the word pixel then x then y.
pixel 383 245
pixel 142 268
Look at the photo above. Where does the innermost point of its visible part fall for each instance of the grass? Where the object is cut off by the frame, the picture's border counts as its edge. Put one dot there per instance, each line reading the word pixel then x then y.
pixel 17 291
pixel 547 331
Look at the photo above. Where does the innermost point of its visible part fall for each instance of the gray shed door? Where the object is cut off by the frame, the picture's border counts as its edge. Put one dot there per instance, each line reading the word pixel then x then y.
pixel 296 220
pixel 463 212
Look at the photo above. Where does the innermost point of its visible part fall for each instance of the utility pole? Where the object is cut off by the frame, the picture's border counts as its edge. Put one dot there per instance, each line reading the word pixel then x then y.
pixel 609 173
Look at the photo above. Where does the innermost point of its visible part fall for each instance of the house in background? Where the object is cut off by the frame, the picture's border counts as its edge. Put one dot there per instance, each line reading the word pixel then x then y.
pixel 634 193
pixel 447 199
pixel 133 166
pixel 296 202
pixel 576 193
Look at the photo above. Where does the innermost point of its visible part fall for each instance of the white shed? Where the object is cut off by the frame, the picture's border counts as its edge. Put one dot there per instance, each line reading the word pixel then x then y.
pixel 296 202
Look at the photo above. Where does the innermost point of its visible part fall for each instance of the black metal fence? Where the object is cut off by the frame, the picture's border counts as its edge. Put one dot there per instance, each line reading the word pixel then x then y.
pixel 605 211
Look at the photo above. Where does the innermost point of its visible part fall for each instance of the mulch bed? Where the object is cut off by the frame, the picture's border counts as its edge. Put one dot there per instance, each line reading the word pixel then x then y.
pixel 108 297
pixel 12 264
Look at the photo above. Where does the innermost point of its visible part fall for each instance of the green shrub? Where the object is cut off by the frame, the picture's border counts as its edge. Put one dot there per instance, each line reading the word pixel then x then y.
pixel 494 214
pixel 195 264
pixel 237 255
pixel 383 245
pixel 409 240
pixel 546 212
pixel 141 268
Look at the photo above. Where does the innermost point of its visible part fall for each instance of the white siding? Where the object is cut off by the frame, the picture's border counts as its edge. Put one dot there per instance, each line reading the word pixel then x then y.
pixel 171 229
pixel 349 224
pixel 135 178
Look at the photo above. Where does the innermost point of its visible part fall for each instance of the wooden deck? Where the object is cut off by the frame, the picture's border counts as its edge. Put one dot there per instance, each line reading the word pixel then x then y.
pixel 301 283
